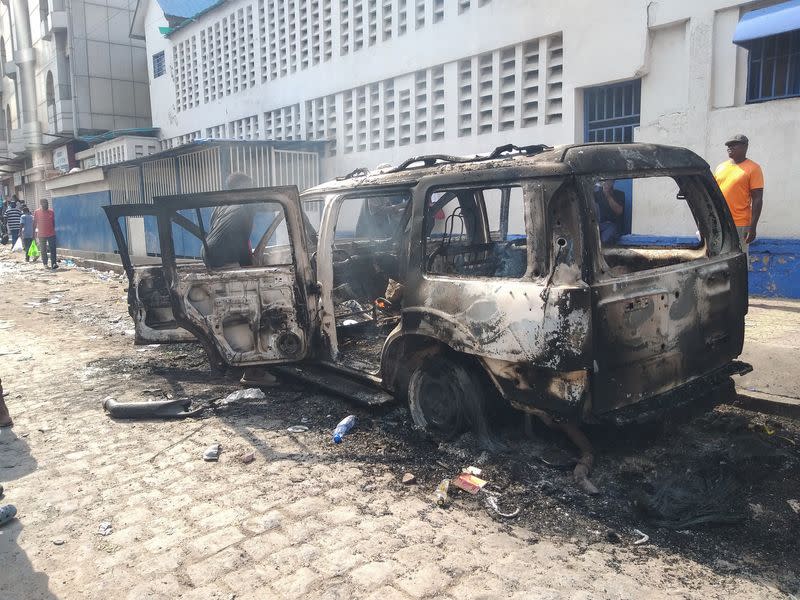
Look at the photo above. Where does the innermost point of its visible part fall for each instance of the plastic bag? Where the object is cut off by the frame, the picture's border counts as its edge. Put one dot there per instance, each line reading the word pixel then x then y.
pixel 17 245
pixel 33 251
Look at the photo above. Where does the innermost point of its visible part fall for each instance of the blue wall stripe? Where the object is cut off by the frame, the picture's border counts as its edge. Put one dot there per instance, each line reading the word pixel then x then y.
pixel 774 263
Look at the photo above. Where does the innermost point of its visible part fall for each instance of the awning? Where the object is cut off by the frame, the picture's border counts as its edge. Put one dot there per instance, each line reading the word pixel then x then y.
pixel 764 22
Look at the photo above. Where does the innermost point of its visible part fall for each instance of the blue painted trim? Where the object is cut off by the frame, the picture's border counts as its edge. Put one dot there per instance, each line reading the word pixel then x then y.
pixel 774 262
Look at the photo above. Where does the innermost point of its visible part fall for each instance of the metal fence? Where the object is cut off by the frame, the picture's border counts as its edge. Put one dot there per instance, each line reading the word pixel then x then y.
pixel 203 167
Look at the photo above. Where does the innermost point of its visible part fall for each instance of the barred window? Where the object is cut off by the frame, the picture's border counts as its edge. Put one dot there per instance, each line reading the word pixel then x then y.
pixel 159 64
pixel 774 67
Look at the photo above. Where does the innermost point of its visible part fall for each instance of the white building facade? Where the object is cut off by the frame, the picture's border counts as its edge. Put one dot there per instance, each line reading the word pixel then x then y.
pixel 384 80
pixel 69 68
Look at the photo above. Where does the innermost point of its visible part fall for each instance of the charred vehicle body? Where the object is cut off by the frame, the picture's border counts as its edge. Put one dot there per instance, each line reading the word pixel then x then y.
pixel 440 276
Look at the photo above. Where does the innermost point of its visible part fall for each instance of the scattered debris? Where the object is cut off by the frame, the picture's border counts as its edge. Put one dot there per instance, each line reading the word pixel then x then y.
pixel 256 376
pixel 297 429
pixel 692 500
pixel 643 538
pixel 794 505
pixel 344 426
pixel 440 495
pixel 247 458
pixel 158 409
pixel 7 512
pixel 469 483
pixel 409 479
pixel 613 537
pixel 105 528
pixel 212 453
pixel 246 394
pixel 472 471
pixel 491 502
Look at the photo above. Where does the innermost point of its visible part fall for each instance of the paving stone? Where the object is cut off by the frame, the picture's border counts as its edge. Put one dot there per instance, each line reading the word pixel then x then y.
pixel 428 580
pixel 374 574
pixel 216 540
pixel 297 584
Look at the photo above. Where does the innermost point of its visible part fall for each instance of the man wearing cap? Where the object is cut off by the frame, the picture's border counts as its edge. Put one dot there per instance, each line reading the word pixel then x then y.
pixel 742 184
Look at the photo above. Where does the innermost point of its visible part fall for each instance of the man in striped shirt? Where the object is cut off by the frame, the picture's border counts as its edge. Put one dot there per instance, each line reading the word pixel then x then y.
pixel 13 219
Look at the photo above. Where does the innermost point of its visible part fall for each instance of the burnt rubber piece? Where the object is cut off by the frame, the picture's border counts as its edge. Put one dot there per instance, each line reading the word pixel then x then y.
pixel 160 409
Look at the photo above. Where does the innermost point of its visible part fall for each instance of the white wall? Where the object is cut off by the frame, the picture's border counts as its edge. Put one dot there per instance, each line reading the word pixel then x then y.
pixel 692 81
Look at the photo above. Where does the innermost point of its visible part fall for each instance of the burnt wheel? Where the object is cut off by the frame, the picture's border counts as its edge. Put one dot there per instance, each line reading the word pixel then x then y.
pixel 444 397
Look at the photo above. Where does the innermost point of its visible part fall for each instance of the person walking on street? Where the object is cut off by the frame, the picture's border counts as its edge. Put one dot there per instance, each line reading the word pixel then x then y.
pixel 13 218
pixel 26 230
pixel 3 228
pixel 44 221
pixel 742 184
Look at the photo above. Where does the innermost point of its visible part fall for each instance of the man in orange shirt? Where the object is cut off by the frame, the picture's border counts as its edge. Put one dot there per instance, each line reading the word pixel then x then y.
pixel 44 222
pixel 742 184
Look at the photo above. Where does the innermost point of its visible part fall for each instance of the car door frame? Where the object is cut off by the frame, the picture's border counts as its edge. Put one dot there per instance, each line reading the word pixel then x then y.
pixel 305 285
pixel 143 333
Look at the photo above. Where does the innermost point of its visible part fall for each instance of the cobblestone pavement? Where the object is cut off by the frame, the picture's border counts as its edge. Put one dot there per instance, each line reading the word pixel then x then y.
pixel 302 520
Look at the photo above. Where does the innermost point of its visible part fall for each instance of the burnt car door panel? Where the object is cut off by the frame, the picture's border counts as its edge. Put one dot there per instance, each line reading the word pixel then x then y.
pixel 668 308
pixel 148 297
pixel 247 293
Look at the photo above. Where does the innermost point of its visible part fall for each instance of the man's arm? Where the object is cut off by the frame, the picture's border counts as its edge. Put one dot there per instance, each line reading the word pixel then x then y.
pixel 757 202
pixel 614 204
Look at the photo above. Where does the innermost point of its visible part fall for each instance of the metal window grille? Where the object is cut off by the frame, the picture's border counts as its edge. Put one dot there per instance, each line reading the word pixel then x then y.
pixel 774 67
pixel 612 111
pixel 159 64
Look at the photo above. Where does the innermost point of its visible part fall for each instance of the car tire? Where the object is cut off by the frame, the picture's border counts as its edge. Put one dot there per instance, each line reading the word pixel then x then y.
pixel 444 397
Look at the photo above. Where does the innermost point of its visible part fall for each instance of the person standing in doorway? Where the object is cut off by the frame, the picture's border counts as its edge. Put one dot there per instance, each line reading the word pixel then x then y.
pixel 13 218
pixel 26 231
pixel 44 221
pixel 742 184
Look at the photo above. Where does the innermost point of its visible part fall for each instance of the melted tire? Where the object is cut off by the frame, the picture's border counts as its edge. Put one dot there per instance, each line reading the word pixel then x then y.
pixel 444 397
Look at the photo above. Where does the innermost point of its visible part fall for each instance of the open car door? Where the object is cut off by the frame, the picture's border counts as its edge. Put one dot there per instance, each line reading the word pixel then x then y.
pixel 238 272
pixel 148 297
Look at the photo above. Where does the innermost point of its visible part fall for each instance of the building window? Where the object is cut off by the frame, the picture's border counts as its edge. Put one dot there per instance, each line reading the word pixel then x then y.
pixel 50 94
pixel 774 67
pixel 159 65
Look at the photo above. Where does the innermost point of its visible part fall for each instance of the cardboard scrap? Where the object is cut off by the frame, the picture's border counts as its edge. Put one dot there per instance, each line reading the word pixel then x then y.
pixel 469 483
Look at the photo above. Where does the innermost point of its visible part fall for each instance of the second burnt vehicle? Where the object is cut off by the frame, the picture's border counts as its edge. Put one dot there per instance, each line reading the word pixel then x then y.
pixel 446 276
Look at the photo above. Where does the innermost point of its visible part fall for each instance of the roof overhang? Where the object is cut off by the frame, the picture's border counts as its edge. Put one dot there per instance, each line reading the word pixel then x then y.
pixel 764 22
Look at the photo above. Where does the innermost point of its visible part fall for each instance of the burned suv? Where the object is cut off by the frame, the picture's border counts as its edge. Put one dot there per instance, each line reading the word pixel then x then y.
pixel 444 277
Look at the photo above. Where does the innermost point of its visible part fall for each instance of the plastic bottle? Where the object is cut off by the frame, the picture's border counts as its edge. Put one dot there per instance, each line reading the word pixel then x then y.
pixel 7 512
pixel 440 495
pixel 343 427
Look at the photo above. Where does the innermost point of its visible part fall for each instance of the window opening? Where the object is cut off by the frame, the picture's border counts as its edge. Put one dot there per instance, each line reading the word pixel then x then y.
pixel 476 233
pixel 50 95
pixel 671 221
pixel 159 64
pixel 232 236
pixel 774 67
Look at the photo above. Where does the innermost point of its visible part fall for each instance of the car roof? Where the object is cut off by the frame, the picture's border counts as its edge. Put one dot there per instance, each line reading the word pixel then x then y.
pixel 534 161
